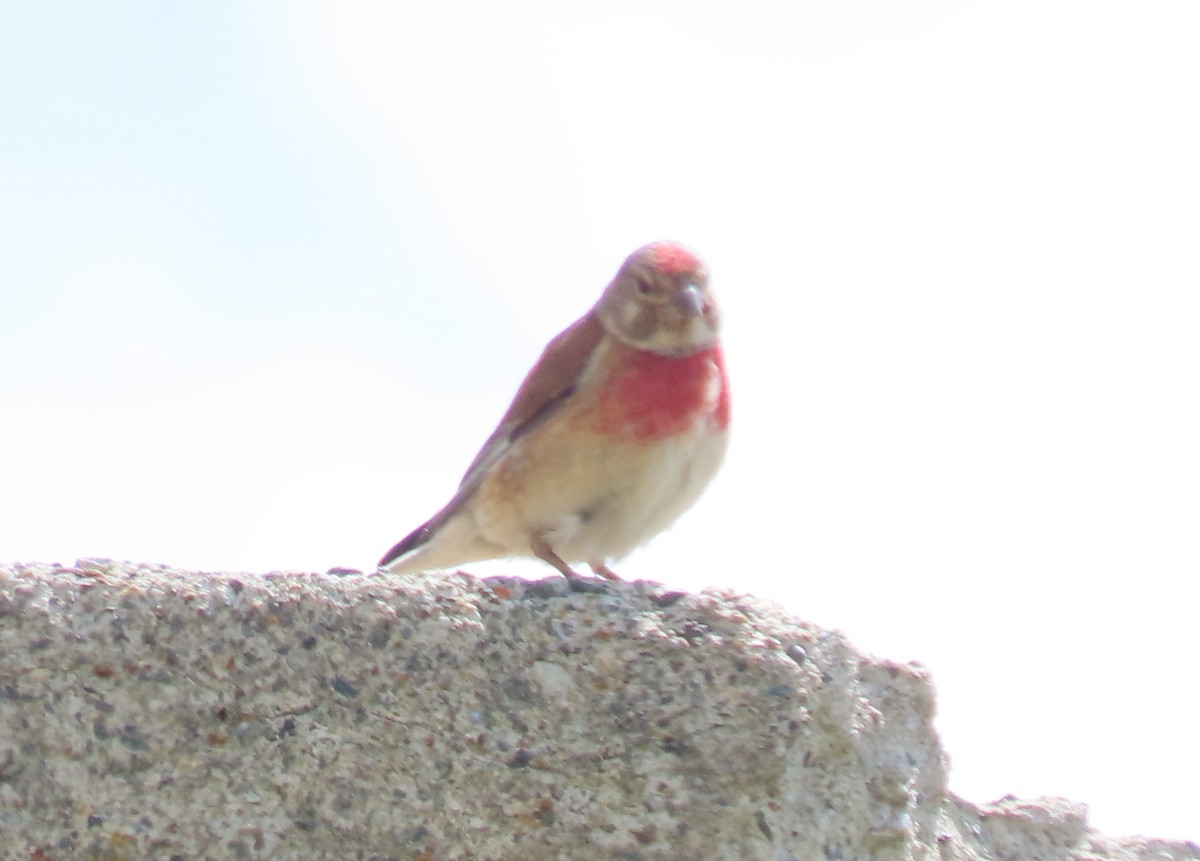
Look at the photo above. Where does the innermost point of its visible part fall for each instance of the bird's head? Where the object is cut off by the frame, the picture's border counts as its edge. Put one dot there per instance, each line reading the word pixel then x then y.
pixel 660 301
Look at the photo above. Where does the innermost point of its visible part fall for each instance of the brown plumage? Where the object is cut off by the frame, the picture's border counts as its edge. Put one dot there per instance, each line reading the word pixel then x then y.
pixel 615 431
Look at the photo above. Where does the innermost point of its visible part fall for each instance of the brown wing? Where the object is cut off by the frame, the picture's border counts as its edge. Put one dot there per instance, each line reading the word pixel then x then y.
pixel 545 389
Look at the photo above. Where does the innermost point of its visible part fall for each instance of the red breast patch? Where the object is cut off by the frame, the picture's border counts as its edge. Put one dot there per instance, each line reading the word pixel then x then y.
pixel 650 397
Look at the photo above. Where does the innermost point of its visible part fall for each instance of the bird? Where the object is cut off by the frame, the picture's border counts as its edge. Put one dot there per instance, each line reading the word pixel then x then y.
pixel 616 430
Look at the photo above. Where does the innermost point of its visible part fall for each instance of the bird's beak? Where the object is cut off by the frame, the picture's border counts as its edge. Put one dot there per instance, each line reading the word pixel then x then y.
pixel 689 300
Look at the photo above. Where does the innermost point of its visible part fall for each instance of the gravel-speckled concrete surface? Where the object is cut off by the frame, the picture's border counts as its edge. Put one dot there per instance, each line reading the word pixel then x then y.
pixel 153 713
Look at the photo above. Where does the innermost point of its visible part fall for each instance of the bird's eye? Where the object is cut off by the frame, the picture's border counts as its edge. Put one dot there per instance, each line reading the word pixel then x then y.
pixel 644 288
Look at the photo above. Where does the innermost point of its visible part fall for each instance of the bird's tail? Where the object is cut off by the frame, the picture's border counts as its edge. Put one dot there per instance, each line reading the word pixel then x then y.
pixel 445 541
pixel 409 543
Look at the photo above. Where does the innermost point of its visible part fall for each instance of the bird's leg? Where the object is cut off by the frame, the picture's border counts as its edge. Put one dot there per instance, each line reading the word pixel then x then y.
pixel 541 549
pixel 604 571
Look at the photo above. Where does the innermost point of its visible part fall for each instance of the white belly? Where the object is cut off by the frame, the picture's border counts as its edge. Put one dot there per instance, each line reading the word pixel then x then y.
pixel 644 492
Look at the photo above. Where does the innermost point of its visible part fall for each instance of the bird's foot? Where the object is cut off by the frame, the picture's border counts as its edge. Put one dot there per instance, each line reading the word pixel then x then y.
pixel 541 549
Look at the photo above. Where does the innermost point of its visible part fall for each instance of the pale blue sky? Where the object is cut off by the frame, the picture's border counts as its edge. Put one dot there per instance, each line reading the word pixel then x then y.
pixel 269 273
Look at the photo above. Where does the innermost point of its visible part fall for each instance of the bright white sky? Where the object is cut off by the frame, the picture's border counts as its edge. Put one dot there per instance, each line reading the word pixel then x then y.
pixel 271 272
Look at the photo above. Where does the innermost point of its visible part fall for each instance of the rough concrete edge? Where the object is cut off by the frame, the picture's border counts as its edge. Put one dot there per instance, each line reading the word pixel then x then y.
pixel 989 826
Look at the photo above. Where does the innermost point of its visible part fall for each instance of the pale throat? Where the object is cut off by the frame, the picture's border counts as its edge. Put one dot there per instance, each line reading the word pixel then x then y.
pixel 694 335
